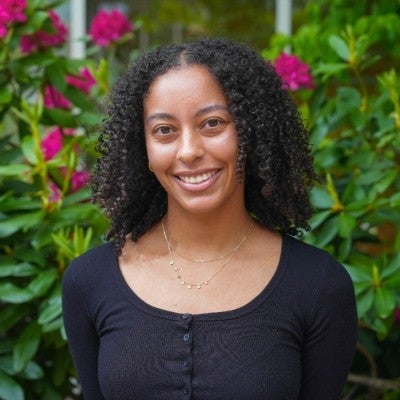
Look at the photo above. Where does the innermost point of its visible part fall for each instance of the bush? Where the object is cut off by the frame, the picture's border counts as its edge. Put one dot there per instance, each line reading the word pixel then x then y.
pixel 48 106
pixel 354 118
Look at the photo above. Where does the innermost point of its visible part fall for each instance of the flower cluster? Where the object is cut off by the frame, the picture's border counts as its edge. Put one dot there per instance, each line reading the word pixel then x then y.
pixel 43 39
pixel 84 81
pixel 109 27
pixel 11 11
pixel 51 145
pixel 294 73
pixel 54 99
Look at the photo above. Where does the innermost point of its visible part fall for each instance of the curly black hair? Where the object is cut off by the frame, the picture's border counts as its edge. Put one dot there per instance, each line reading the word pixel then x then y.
pixel 274 148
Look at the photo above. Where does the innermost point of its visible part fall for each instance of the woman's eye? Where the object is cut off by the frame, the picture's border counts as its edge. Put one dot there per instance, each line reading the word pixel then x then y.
pixel 213 123
pixel 163 130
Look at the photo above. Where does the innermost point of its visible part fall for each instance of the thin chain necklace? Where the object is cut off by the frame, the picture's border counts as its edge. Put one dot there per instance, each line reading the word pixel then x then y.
pixel 199 285
pixel 207 260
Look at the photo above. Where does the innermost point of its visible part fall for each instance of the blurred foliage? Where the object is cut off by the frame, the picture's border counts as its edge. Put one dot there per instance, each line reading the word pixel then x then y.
pixel 353 49
pixel 41 230
pixel 354 119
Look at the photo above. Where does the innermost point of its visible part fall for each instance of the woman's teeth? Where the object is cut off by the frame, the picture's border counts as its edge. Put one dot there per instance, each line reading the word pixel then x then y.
pixel 198 178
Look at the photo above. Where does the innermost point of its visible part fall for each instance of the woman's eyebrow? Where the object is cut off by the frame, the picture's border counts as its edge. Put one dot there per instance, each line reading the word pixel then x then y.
pixel 212 107
pixel 202 111
pixel 160 115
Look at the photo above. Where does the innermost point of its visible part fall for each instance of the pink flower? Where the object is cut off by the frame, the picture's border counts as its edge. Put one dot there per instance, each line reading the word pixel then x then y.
pixel 51 144
pixel 43 39
pixel 396 316
pixel 54 99
pixel 15 9
pixel 294 73
pixel 55 192
pixel 79 179
pixel 83 82
pixel 11 11
pixel 108 27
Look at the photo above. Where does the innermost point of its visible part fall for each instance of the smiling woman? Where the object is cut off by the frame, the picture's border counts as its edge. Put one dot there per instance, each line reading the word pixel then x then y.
pixel 192 143
pixel 204 173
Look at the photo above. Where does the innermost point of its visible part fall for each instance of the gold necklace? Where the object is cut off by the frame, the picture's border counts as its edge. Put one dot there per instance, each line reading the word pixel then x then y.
pixel 199 285
pixel 207 260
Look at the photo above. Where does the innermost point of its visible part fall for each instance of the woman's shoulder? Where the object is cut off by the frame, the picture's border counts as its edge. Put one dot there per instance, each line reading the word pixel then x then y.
pixel 321 284
pixel 96 262
pixel 314 265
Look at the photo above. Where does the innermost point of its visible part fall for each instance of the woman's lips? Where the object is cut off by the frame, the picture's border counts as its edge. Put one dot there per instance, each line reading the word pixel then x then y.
pixel 199 178
pixel 197 181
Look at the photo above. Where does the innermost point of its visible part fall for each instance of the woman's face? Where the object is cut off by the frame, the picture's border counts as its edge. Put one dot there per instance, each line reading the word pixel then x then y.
pixel 191 141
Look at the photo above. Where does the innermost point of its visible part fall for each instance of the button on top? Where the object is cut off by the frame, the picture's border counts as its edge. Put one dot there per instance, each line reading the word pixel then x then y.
pixel 186 363
pixel 186 391
pixel 185 316
pixel 186 337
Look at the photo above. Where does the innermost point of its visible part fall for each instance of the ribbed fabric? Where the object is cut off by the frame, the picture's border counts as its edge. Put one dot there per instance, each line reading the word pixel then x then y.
pixel 294 341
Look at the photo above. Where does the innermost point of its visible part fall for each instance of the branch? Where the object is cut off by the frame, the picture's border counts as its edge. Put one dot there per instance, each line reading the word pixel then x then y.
pixel 376 383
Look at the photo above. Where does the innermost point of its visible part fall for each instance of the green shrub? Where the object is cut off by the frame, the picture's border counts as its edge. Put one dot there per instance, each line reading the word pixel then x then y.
pixel 48 105
pixel 354 118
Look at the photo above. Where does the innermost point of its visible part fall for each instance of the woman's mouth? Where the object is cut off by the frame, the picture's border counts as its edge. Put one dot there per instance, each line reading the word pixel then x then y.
pixel 196 179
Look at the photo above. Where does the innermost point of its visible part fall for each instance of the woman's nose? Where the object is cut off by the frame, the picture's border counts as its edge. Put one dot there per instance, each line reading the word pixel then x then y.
pixel 191 146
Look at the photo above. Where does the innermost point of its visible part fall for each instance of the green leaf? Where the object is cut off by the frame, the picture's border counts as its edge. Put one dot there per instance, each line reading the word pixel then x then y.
pixel 59 117
pixel 361 287
pixel 385 181
pixel 319 218
pixel 364 302
pixel 329 69
pixel 64 244
pixel 26 346
pixel 54 325
pixel 76 212
pixel 393 282
pixel 384 302
pixel 9 389
pixel 32 371
pixel 359 273
pixel 395 200
pixel 21 269
pixel 321 198
pixel 392 267
pixel 14 169
pixel 340 47
pixel 56 75
pixel 41 284
pixel 327 233
pixel 349 99
pixel 379 327
pixel 5 94
pixel 345 248
pixel 11 314
pixel 35 22
pixel 11 293
pixel 78 98
pixel 89 118
pixel 25 221
pixel 19 203
pixel 28 150
pixel 50 311
pixel 346 225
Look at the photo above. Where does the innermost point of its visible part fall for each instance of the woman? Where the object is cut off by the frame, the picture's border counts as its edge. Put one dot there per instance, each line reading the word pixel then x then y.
pixel 205 170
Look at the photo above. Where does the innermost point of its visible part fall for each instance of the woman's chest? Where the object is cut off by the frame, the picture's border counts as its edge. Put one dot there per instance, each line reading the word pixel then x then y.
pixel 256 356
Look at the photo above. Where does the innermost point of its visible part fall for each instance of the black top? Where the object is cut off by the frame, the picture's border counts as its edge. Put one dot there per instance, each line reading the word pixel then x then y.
pixel 295 340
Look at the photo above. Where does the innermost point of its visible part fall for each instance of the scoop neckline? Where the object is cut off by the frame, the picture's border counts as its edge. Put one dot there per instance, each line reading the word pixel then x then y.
pixel 250 306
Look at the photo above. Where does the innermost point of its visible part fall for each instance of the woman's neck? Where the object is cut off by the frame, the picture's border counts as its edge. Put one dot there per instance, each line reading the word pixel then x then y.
pixel 206 236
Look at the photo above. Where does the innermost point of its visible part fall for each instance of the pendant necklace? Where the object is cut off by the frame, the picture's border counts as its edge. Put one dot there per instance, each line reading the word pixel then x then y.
pixel 199 285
